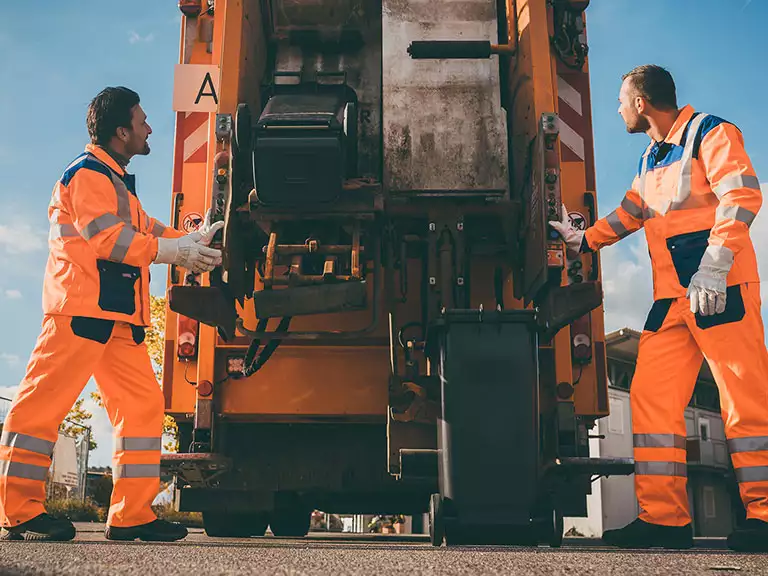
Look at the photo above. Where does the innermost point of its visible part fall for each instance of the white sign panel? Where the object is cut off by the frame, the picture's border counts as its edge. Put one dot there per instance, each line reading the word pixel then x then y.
pixel 196 88
pixel 65 461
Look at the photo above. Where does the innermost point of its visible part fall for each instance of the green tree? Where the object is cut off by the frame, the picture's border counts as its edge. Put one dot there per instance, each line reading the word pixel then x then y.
pixel 77 422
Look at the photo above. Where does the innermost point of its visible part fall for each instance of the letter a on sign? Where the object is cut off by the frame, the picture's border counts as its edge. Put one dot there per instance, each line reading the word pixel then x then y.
pixel 196 88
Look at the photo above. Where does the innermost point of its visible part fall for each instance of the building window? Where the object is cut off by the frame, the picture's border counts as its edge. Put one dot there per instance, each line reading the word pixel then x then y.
pixel 708 494
pixel 621 375
pixel 616 417
pixel 704 430
pixel 706 397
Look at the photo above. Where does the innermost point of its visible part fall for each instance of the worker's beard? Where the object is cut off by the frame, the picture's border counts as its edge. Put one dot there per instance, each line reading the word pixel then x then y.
pixel 638 125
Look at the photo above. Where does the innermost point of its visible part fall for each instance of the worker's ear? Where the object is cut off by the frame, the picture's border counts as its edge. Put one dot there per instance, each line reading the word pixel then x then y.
pixel 640 104
pixel 122 133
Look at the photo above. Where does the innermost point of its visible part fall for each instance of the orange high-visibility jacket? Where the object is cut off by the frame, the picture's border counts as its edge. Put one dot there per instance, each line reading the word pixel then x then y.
pixel 101 243
pixel 695 189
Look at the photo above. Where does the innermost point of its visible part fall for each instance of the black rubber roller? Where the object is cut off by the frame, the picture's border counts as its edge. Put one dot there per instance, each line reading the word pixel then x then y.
pixel 450 49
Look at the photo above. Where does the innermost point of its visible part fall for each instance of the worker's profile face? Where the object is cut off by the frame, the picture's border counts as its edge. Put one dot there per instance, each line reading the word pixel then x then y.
pixel 628 109
pixel 139 133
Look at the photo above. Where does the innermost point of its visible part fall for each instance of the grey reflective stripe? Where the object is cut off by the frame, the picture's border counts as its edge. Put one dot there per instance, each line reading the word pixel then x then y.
pixel 123 243
pixel 643 174
pixel 146 221
pixel 26 442
pixel 21 470
pixel 658 441
pixel 126 444
pixel 137 471
pixel 752 474
pixel 158 229
pixel 730 183
pixel 616 225
pixel 749 444
pixel 62 231
pixel 123 199
pixel 736 212
pixel 123 195
pixel 632 209
pixel 661 469
pixel 686 163
pixel 100 224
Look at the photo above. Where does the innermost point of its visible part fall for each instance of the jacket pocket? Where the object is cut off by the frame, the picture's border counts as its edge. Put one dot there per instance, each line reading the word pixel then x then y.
pixel 138 333
pixel 734 310
pixel 117 286
pixel 687 251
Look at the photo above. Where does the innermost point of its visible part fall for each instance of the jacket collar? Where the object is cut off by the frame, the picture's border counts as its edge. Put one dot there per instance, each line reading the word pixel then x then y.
pixel 104 156
pixel 676 133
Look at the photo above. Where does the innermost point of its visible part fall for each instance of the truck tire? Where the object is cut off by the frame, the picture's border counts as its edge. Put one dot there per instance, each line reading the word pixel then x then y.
pixel 232 525
pixel 290 522
pixel 436 520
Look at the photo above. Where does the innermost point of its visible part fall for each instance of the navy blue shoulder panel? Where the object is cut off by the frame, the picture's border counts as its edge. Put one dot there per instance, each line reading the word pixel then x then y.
pixel 89 164
pixel 707 125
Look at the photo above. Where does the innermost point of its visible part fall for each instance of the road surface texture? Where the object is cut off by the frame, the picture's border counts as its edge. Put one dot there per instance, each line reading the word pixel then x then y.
pixel 338 555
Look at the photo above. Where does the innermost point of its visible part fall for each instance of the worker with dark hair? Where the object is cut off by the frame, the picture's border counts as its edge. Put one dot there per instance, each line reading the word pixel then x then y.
pixel 695 194
pixel 96 306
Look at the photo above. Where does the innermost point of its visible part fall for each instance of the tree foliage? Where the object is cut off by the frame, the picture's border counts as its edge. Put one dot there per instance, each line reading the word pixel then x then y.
pixel 76 423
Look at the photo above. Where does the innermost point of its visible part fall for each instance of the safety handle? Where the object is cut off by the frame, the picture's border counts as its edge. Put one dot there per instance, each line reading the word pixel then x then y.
pixel 589 202
pixel 456 49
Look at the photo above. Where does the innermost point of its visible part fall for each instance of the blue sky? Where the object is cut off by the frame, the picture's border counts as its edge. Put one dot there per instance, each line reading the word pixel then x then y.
pixel 54 59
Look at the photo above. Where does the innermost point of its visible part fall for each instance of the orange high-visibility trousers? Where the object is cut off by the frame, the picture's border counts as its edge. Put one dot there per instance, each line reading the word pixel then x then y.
pixel 68 352
pixel 672 347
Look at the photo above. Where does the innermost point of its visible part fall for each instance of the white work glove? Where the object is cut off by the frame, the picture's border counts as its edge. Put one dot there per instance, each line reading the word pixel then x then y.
pixel 207 231
pixel 708 286
pixel 191 251
pixel 572 236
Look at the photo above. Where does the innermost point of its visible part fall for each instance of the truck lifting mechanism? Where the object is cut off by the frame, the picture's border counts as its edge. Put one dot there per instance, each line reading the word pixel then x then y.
pixel 395 329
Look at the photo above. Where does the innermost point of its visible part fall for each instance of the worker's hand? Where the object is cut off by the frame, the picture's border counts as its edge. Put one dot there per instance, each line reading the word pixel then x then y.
pixel 572 236
pixel 707 289
pixel 194 256
pixel 707 292
pixel 207 231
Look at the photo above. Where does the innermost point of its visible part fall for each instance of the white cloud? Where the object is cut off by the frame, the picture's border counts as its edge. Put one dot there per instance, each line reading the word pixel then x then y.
pixel 11 359
pixel 136 38
pixel 7 392
pixel 21 238
pixel 13 294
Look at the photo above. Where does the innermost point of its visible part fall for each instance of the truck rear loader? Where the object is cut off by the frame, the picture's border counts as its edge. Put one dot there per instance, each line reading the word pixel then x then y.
pixel 394 328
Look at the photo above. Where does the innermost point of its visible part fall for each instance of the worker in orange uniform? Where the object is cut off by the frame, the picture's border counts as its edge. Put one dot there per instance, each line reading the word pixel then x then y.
pixel 696 194
pixel 96 305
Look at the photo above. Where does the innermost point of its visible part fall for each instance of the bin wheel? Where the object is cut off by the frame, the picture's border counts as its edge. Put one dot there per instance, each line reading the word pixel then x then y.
pixel 436 520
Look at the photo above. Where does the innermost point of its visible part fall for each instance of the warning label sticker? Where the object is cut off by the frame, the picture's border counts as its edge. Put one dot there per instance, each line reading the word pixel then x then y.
pixel 191 222
pixel 578 220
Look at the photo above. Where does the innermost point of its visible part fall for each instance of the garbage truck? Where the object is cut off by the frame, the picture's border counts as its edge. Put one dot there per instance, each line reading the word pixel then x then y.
pixel 395 329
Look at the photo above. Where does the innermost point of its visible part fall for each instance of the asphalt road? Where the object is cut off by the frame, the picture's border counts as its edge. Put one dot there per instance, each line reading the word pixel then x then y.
pixel 340 555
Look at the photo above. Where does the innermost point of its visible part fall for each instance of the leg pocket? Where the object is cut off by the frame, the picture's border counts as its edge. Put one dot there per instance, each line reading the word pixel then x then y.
pixel 657 315
pixel 95 329
pixel 687 251
pixel 117 286
pixel 734 310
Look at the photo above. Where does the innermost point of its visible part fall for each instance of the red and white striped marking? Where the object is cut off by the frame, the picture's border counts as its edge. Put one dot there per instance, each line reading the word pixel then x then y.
pixel 195 129
pixel 572 124
pixel 575 112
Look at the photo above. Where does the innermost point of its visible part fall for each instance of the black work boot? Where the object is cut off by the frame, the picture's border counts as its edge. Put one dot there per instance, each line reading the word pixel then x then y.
pixel 155 531
pixel 41 528
pixel 640 534
pixel 752 536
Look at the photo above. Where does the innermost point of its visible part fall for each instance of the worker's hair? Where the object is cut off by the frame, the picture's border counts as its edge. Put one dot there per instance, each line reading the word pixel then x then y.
pixel 108 111
pixel 654 84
